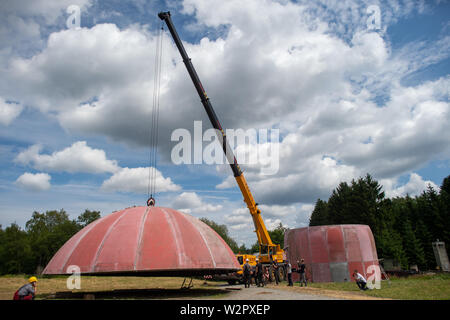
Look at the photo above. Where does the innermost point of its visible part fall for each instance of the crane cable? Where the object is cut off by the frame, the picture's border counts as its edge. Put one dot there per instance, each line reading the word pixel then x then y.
pixel 155 123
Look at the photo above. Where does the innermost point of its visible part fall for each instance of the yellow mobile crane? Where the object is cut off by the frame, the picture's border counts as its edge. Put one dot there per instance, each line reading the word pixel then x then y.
pixel 268 251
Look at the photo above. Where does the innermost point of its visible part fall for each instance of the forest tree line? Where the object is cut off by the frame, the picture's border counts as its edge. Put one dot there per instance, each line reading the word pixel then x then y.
pixel 28 251
pixel 403 227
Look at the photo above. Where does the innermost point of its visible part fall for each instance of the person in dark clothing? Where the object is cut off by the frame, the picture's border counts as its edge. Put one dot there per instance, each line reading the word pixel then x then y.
pixel 247 274
pixel 276 271
pixel 301 270
pixel 27 291
pixel 259 273
pixel 254 275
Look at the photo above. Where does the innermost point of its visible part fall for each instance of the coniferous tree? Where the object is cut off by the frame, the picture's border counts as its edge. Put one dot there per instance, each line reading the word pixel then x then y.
pixel 412 246
pixel 319 216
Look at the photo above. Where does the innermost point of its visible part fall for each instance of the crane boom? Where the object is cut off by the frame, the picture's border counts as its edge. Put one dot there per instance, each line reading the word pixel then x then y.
pixel 266 244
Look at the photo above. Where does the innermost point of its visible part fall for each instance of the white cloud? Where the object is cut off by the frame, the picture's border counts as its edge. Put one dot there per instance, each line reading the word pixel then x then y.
pixel 9 111
pixel 136 180
pixel 191 203
pixel 79 157
pixel 239 219
pixel 277 211
pixel 273 215
pixel 414 187
pixel 272 224
pixel 34 182
pixel 24 24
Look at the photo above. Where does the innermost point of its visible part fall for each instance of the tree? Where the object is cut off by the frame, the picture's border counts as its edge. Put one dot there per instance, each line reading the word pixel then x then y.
pixel 26 251
pixel 390 245
pixel 413 248
pixel 319 216
pixel 87 217
pixel 222 230
pixel 277 235
pixel 48 232
pixel 444 197
pixel 15 251
pixel 445 187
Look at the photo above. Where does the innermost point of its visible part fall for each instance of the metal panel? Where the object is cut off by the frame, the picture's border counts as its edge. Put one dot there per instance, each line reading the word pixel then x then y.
pixel 365 244
pixel 321 272
pixel 352 244
pixel 119 245
pixel 335 240
pixel 84 253
pixel 339 272
pixel 318 245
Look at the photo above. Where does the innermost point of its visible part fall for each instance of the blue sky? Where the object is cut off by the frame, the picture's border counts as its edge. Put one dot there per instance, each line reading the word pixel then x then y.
pixel 75 104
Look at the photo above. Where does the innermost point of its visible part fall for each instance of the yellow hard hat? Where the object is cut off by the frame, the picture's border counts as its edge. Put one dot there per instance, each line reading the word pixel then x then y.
pixel 32 279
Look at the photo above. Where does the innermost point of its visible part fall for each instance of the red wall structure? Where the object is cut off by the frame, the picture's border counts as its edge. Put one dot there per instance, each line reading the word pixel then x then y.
pixel 145 241
pixel 331 253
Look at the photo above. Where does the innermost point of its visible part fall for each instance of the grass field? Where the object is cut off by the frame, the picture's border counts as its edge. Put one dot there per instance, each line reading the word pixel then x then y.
pixel 418 287
pixel 111 287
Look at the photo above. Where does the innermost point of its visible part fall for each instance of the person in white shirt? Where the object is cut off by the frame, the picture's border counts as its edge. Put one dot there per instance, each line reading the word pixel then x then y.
pixel 289 273
pixel 360 280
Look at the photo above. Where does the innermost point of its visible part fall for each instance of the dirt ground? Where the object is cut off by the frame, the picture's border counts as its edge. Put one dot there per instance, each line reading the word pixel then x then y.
pixel 283 292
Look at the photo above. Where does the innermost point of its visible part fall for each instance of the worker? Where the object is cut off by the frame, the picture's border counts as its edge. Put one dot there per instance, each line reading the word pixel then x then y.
pixel 301 270
pixel 266 275
pixel 289 273
pixel 275 271
pixel 259 273
pixel 27 291
pixel 360 280
pixel 247 273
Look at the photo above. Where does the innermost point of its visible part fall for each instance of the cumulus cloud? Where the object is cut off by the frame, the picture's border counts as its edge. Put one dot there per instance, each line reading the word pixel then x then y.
pixel 136 180
pixel 24 24
pixel 414 187
pixel 34 182
pixel 192 203
pixel 273 215
pixel 9 111
pixel 79 157
pixel 239 219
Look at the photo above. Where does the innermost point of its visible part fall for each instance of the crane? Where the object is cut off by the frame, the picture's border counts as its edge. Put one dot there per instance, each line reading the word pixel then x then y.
pixel 268 251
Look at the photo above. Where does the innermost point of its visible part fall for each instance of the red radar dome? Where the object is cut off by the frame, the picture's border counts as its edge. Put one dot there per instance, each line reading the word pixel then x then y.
pixel 145 241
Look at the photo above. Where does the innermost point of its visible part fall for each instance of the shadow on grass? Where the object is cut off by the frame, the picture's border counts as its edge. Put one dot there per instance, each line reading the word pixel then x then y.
pixel 138 294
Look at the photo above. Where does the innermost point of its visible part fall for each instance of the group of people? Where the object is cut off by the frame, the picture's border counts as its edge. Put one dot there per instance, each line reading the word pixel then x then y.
pixel 301 269
pixel 261 274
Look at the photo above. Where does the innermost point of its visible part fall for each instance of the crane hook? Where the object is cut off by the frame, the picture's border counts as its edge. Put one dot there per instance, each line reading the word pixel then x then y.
pixel 151 202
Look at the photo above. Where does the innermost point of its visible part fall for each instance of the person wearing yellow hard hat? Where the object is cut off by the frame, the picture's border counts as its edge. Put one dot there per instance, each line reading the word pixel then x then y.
pixel 27 291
